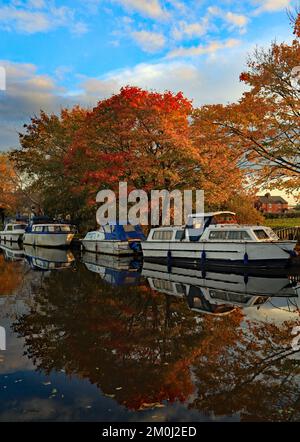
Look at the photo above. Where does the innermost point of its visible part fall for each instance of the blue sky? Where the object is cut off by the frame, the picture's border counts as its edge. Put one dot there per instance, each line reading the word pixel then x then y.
pixel 58 53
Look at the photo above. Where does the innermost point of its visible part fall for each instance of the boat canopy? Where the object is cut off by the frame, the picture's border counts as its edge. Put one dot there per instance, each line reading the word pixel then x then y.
pixel 120 232
pixel 206 219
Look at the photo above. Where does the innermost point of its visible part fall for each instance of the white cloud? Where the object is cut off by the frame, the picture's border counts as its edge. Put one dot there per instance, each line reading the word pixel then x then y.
pixel 211 48
pixel 198 81
pixel 21 20
pixel 38 4
pixel 27 92
pixel 34 17
pixel 149 8
pixel 272 5
pixel 149 41
pixel 236 19
pixel 189 30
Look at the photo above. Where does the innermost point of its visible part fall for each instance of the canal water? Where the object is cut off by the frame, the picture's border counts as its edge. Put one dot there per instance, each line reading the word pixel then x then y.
pixel 95 338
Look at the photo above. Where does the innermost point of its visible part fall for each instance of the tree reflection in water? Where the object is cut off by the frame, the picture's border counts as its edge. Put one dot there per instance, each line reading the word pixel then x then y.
pixel 143 348
pixel 11 276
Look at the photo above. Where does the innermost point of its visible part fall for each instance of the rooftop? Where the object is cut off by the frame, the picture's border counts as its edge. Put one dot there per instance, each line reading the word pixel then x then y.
pixel 269 199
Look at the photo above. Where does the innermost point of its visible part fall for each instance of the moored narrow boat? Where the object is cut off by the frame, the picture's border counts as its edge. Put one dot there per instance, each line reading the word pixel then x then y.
pixel 218 238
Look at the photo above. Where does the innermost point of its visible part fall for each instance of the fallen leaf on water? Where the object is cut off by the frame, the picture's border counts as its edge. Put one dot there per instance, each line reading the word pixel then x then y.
pixel 146 406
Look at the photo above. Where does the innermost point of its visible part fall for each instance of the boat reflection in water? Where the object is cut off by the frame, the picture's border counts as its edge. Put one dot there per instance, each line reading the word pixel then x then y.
pixel 41 258
pixel 220 293
pixel 12 251
pixel 115 270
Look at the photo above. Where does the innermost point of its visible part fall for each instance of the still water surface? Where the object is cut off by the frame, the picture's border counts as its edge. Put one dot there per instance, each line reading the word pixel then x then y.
pixel 94 338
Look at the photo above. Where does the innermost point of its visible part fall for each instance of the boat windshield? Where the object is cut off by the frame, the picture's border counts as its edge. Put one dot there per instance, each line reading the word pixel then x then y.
pixel 261 234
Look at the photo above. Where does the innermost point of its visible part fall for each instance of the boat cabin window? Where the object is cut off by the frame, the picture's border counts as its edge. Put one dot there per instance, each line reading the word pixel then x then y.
pixel 230 235
pixel 181 289
pixel 229 296
pixel 163 235
pixel 52 229
pixel 161 284
pixel 9 227
pixel 38 229
pixel 261 234
pixel 180 234
pixel 65 228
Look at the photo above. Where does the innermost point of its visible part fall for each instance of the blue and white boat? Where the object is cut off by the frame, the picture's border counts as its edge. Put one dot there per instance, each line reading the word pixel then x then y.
pixel 114 239
pixel 44 232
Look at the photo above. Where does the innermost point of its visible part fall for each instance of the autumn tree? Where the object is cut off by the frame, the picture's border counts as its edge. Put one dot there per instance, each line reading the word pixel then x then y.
pixel 7 187
pixel 150 140
pixel 153 141
pixel 266 119
pixel 44 145
pixel 220 163
pixel 137 136
pixel 13 199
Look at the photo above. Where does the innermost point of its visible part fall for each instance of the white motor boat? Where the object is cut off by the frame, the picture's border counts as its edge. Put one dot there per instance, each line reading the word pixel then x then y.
pixel 217 238
pixel 44 233
pixel 13 232
pixel 117 239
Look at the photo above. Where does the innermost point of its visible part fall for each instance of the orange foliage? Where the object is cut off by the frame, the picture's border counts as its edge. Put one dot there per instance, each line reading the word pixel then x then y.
pixel 8 186
pixel 10 278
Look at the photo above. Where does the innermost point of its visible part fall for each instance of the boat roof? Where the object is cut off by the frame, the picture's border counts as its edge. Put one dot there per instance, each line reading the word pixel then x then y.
pixel 211 214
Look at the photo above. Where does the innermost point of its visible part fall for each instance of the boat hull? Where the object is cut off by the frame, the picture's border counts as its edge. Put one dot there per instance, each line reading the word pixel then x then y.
pixel 56 240
pixel 255 254
pixel 119 248
pixel 11 236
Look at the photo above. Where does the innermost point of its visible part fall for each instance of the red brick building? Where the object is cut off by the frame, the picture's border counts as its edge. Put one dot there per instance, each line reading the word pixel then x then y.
pixel 271 204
